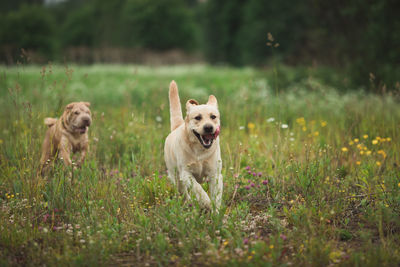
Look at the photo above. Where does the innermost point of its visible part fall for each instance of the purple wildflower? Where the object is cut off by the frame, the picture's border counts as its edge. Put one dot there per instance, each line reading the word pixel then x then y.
pixel 254 174
pixel 247 167
pixel 252 185
pixel 247 187
pixel 245 241
pixel 265 182
pixel 283 237
pixel 259 174
pixel 45 217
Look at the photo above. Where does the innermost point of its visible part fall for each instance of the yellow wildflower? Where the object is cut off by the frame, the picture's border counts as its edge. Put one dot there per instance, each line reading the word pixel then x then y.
pixel 398 184
pixel 358 162
pixel 271 246
pixel 301 121
pixel 1 141
pixel 383 153
pixel 374 142
pixel 356 140
pixel 368 152
pixel 304 128
pixel 361 152
pixel 316 133
pixel 335 255
pixel 251 125
pixel 365 136
pixel 226 243
pixel 344 149
pixel 388 139
pixel 249 257
pixel 378 163
pixel 351 143
pixel 323 123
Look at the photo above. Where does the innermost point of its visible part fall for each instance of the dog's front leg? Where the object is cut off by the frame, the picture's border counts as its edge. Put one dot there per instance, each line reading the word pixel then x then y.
pixel 216 188
pixel 83 156
pixel 191 185
pixel 65 151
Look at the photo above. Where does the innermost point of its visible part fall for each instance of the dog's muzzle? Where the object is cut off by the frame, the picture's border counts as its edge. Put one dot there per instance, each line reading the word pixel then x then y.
pixel 206 140
pixel 83 127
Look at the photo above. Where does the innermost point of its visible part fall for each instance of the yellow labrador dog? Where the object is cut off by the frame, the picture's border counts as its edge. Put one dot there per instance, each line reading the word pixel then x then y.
pixel 192 150
pixel 67 134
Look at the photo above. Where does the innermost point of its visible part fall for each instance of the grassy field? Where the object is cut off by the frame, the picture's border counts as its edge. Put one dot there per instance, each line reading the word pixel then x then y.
pixel 312 176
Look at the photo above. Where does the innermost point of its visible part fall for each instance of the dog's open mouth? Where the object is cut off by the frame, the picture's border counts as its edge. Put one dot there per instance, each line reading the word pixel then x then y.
pixel 206 140
pixel 81 129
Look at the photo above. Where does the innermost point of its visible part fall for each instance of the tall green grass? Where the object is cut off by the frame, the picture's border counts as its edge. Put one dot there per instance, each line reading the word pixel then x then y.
pixel 311 175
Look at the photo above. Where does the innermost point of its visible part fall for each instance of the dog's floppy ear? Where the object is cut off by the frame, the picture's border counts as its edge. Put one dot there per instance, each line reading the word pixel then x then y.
pixel 86 104
pixel 190 103
pixel 212 100
pixel 69 106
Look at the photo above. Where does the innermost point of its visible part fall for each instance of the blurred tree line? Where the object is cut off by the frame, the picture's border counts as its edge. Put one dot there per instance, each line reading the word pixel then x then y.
pixel 359 37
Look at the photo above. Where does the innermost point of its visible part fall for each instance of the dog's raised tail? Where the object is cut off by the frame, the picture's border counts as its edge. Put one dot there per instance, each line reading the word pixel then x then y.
pixel 50 121
pixel 175 106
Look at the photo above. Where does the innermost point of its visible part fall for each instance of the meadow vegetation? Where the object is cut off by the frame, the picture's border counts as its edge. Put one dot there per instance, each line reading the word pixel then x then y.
pixel 311 174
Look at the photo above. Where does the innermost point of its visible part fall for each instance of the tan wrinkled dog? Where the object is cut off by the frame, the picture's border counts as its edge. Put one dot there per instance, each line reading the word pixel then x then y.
pixel 192 149
pixel 67 135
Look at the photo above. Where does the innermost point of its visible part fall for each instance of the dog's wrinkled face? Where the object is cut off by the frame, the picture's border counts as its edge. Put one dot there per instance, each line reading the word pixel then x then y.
pixel 203 121
pixel 78 117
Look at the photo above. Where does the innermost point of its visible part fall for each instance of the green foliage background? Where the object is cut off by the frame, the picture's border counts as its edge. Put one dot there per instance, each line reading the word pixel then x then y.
pixel 356 37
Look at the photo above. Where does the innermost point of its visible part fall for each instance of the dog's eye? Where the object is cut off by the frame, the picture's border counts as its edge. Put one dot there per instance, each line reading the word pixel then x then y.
pixel 198 117
pixel 213 117
pixel 76 112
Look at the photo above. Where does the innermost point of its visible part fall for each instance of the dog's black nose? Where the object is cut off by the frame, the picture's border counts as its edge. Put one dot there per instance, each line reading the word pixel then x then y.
pixel 208 128
pixel 86 121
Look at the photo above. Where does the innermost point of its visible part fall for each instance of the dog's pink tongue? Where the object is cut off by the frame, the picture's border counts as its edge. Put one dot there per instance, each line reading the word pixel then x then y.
pixel 209 136
pixel 216 132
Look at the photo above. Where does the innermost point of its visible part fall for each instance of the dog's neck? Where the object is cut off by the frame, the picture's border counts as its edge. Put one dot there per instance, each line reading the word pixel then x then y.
pixel 63 125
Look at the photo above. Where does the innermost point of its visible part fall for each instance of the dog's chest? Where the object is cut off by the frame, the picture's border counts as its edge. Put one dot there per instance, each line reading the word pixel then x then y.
pixel 77 144
pixel 199 170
